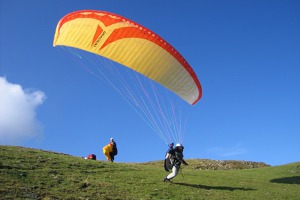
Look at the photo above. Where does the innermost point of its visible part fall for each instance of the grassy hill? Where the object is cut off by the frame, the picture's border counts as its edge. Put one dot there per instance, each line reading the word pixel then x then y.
pixel 35 174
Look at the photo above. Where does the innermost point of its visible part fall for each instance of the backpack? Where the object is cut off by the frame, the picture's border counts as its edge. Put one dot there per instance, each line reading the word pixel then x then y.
pixel 169 161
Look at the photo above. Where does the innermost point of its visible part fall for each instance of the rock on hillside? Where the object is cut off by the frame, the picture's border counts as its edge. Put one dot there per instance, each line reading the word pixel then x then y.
pixel 206 164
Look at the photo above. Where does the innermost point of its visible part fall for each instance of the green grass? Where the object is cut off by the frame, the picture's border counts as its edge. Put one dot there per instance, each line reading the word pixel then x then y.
pixel 36 174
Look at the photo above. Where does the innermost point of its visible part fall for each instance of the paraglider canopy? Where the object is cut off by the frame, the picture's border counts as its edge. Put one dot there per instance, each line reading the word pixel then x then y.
pixel 132 45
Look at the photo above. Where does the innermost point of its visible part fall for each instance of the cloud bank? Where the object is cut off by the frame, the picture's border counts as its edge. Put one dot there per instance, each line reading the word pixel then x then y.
pixel 18 113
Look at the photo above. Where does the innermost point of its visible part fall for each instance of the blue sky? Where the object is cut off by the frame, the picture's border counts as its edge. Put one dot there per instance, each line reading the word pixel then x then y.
pixel 246 55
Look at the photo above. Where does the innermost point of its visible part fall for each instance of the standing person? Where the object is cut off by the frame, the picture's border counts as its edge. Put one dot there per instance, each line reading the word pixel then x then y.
pixel 176 158
pixel 114 149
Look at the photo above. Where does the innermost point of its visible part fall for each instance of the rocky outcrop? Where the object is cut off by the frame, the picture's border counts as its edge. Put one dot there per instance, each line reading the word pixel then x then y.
pixel 206 164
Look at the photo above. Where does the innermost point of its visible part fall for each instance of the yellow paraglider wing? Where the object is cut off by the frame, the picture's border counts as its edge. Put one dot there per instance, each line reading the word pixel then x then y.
pixel 132 45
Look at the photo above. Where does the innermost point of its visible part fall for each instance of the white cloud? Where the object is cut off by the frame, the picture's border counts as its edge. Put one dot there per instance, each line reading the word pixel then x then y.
pixel 18 112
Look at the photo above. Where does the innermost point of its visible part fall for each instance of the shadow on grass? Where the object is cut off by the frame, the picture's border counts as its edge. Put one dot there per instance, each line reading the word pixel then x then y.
pixel 288 180
pixel 206 187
